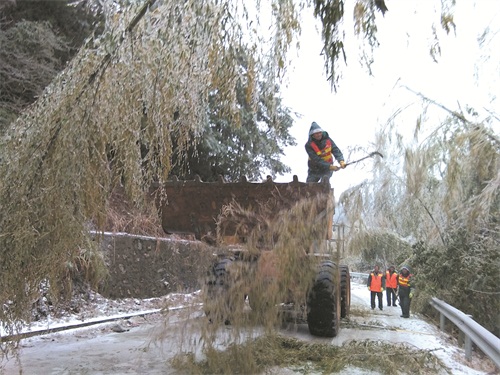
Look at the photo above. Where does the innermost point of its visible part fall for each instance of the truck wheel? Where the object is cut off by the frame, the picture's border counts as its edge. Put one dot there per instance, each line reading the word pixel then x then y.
pixel 345 291
pixel 221 303
pixel 323 306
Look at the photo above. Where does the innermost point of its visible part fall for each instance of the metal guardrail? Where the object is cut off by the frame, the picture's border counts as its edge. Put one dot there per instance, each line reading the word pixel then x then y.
pixel 358 275
pixel 486 341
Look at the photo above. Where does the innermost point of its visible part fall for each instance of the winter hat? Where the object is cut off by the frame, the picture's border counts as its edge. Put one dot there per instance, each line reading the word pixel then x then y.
pixel 405 268
pixel 315 128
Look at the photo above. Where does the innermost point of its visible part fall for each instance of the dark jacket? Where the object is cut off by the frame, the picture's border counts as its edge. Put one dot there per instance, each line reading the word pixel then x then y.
pixel 316 163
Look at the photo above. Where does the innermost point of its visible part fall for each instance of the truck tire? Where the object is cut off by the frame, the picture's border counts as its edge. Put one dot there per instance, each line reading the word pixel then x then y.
pixel 220 302
pixel 345 291
pixel 323 304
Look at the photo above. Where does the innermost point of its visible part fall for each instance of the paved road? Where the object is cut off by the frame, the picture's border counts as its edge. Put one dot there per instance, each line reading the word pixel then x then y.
pixel 98 350
pixel 146 344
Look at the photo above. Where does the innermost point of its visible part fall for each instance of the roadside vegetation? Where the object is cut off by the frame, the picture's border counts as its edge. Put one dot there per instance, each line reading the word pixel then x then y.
pixel 442 219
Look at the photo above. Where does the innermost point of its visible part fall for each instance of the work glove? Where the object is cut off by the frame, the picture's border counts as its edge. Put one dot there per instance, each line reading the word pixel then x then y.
pixel 382 290
pixel 334 168
pixel 342 164
pixel 369 289
pixel 411 294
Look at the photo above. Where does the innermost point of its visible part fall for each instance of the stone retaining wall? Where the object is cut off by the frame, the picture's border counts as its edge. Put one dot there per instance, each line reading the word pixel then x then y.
pixel 146 267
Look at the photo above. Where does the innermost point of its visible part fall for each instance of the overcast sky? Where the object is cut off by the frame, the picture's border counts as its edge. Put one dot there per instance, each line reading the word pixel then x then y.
pixel 363 104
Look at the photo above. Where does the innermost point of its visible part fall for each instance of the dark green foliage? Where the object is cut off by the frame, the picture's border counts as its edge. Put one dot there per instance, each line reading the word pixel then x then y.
pixel 251 149
pixel 72 20
pixel 465 274
pixel 37 38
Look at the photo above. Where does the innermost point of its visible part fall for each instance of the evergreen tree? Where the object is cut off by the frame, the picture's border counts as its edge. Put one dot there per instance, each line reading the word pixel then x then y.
pixel 37 39
pixel 251 150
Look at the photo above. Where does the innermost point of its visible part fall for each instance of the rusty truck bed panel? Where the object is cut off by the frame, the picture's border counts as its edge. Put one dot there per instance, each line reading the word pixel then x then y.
pixel 193 206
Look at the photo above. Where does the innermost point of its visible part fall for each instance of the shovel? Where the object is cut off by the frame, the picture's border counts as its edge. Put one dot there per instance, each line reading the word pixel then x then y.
pixel 371 154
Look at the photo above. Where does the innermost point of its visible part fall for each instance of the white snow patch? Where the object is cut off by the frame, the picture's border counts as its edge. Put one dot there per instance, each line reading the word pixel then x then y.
pixel 102 309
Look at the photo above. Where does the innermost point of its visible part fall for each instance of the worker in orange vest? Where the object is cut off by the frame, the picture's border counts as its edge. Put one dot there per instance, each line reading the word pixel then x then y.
pixel 405 290
pixel 391 285
pixel 376 285
pixel 322 152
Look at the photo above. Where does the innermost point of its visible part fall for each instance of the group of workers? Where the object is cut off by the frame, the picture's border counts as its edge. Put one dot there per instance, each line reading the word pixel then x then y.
pixel 396 286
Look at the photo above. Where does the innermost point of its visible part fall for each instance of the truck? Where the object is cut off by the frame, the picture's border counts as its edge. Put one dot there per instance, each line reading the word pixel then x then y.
pixel 276 250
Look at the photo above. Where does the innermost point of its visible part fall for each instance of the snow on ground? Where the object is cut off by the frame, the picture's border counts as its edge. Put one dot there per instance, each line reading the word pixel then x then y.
pixel 99 309
pixel 415 331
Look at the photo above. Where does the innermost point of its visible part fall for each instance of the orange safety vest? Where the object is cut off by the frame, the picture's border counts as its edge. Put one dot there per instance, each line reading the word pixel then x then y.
pixel 391 280
pixel 325 153
pixel 404 281
pixel 376 282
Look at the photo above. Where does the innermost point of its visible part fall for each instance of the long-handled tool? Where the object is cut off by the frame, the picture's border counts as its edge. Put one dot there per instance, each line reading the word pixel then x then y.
pixel 372 154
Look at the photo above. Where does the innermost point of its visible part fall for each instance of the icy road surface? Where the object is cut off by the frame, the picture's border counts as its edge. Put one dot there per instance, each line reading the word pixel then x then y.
pixel 128 346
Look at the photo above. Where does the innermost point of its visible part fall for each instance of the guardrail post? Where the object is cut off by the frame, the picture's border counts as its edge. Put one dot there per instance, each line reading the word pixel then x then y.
pixel 468 344
pixel 442 321
pixel 468 348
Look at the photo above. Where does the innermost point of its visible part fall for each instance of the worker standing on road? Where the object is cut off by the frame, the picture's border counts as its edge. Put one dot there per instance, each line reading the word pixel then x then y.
pixel 376 285
pixel 405 291
pixel 322 151
pixel 391 285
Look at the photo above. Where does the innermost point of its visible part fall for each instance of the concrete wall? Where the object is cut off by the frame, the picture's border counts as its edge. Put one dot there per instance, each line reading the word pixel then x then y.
pixel 146 267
